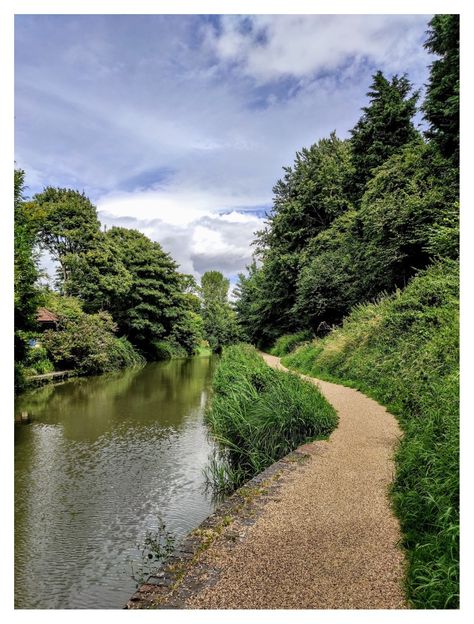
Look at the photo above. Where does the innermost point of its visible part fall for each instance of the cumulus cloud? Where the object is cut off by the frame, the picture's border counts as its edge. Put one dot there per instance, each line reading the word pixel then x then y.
pixel 203 243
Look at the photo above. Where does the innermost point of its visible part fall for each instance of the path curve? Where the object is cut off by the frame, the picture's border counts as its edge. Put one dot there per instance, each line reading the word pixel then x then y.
pixel 330 540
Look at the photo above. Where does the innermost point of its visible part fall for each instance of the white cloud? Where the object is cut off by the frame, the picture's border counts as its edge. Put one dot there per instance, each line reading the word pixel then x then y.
pixel 176 205
pixel 268 47
pixel 207 242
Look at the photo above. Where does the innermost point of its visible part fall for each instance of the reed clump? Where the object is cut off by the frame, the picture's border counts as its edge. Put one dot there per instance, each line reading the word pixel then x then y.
pixel 258 415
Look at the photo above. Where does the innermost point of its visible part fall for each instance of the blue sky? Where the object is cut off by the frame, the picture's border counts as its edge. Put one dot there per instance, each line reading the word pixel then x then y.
pixel 180 125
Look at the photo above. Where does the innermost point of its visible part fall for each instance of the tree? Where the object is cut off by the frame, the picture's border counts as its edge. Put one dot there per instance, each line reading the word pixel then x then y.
pixel 385 126
pixel 219 320
pixel 67 227
pixel 154 303
pixel 328 282
pixel 311 194
pixel 253 307
pixel 97 275
pixel 441 106
pixel 397 219
pixel 86 343
pixel 25 269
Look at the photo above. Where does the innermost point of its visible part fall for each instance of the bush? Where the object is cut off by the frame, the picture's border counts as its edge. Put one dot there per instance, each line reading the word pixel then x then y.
pixel 37 361
pixel 404 351
pixel 285 344
pixel 87 344
pixel 166 350
pixel 258 415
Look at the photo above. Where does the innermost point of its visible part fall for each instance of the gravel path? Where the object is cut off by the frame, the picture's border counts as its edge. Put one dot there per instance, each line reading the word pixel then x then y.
pixel 330 540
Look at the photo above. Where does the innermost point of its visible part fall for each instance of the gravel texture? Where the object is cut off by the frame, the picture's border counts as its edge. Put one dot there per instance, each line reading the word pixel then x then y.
pixel 330 539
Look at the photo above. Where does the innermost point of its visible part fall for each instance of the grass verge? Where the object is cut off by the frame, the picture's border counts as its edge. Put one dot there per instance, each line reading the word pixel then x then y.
pixel 404 352
pixel 258 415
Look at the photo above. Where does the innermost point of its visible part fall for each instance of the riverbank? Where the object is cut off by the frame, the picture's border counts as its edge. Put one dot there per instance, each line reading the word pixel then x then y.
pixel 321 535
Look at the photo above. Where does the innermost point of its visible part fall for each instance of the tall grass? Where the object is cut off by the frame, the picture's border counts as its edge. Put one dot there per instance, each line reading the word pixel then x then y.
pixel 258 415
pixel 288 342
pixel 404 351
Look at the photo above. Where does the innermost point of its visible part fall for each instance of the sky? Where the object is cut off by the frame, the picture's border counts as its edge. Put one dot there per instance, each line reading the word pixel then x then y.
pixel 179 125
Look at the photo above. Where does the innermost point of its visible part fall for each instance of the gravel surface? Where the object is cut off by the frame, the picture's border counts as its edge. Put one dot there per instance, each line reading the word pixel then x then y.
pixel 330 539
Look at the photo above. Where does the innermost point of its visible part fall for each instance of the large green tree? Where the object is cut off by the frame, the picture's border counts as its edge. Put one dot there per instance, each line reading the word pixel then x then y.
pixel 97 275
pixel 67 227
pixel 25 268
pixel 219 320
pixel 441 106
pixel 154 304
pixel 312 193
pixel 385 126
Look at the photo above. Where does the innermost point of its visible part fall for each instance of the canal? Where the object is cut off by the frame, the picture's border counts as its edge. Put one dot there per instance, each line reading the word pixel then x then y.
pixel 102 462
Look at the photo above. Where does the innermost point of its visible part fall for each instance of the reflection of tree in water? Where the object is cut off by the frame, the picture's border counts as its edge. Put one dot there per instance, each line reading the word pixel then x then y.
pixel 171 388
pixel 88 407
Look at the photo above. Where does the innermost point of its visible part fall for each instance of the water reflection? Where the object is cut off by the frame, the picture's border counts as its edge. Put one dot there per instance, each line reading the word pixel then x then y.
pixel 101 461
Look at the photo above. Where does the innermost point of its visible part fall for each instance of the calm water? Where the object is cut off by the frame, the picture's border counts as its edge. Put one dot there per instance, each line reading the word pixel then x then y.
pixel 102 461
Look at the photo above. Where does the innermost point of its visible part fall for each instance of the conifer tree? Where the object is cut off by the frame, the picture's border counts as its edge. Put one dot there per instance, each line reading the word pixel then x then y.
pixel 441 106
pixel 385 126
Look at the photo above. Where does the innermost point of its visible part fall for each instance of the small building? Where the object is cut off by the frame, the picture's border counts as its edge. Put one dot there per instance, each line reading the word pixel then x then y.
pixel 46 319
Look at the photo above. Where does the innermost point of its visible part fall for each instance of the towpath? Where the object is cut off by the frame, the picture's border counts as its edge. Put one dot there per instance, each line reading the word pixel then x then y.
pixel 329 540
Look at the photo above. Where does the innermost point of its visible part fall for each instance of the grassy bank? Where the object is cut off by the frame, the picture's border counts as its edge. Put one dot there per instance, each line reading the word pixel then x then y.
pixel 404 352
pixel 258 415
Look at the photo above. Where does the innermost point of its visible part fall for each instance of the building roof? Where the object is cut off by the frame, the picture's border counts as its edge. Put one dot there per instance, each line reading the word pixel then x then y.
pixel 46 316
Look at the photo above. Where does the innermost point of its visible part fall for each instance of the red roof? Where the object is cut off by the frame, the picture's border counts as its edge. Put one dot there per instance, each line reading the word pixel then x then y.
pixel 46 316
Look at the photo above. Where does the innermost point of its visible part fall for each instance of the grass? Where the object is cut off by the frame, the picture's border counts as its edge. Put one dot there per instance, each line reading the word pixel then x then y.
pixel 288 342
pixel 258 415
pixel 404 351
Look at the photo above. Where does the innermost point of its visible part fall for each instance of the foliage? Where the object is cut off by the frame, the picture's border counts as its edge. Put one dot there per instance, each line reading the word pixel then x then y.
pixel 288 342
pixel 25 271
pixel 328 281
pixel 441 106
pixel 97 275
pixel 67 226
pixel 61 305
pixel 312 193
pixel 404 351
pixel 404 200
pixel 154 305
pixel 385 126
pixel 258 414
pixel 219 321
pixel 156 549
pixel 37 361
pixel 87 344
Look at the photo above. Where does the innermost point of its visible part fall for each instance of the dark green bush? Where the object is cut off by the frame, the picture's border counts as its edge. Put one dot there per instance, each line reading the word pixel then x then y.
pixel 88 345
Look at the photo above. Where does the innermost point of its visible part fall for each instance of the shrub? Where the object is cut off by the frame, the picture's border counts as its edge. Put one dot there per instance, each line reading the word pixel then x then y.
pixel 404 351
pixel 87 344
pixel 166 350
pixel 258 415
pixel 285 344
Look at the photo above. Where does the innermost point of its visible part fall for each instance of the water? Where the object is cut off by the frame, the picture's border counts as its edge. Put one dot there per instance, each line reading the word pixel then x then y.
pixel 101 462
